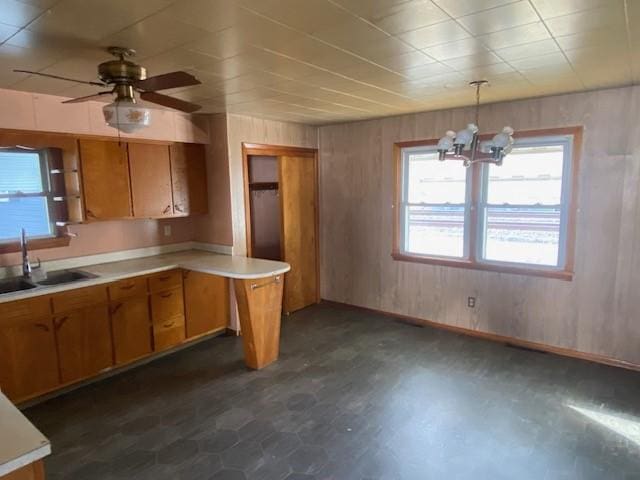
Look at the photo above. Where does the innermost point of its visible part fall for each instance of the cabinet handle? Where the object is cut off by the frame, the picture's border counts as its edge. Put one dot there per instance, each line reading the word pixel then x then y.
pixel 128 287
pixel 167 325
pixel 90 214
pixel 164 278
pixel 60 321
pixel 166 295
pixel 41 326
pixel 166 209
pixel 115 308
pixel 178 208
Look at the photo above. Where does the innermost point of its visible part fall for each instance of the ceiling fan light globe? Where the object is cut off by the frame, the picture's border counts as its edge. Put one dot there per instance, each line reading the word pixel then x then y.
pixel 126 116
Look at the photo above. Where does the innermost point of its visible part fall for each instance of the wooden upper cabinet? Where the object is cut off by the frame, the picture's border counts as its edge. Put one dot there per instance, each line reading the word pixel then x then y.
pixel 150 170
pixel 189 178
pixel 206 299
pixel 105 179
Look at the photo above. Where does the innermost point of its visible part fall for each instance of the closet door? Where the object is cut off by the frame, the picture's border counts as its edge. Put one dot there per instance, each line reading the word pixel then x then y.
pixel 299 236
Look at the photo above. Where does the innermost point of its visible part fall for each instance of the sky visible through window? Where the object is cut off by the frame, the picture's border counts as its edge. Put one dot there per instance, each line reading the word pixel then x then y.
pixel 21 174
pixel 521 217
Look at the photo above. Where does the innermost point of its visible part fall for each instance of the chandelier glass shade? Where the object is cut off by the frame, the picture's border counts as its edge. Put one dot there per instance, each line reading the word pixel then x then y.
pixel 454 144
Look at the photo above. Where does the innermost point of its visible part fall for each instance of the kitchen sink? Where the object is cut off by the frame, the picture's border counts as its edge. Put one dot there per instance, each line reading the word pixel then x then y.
pixel 15 284
pixel 65 276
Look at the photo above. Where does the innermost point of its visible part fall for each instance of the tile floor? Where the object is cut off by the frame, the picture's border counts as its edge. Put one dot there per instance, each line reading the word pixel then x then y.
pixel 355 395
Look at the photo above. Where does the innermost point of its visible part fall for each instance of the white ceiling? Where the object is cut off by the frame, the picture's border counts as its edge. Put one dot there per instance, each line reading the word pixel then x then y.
pixel 322 61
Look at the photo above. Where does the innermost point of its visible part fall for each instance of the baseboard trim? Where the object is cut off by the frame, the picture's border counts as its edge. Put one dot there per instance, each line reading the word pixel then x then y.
pixel 513 341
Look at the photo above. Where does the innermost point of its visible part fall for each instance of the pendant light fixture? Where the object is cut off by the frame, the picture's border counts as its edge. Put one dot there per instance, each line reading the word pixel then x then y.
pixel 453 145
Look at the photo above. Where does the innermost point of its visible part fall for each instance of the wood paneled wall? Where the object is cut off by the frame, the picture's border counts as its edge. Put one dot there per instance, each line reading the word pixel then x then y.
pixel 242 129
pixel 215 227
pixel 598 312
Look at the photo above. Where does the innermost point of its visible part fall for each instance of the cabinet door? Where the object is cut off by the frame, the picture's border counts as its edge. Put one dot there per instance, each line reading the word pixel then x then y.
pixel 189 178
pixel 150 180
pixel 206 302
pixel 131 327
pixel 105 179
pixel 84 342
pixel 299 236
pixel 28 358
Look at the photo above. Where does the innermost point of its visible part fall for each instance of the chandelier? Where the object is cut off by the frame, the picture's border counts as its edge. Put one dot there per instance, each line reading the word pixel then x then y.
pixel 453 145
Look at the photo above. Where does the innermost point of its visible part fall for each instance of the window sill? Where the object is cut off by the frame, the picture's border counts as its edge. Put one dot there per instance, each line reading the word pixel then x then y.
pixel 36 244
pixel 535 272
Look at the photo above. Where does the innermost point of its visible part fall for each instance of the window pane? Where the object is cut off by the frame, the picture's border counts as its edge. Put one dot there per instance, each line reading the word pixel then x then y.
pixel 437 231
pixel 20 172
pixel 30 213
pixel 522 235
pixel 528 176
pixel 432 181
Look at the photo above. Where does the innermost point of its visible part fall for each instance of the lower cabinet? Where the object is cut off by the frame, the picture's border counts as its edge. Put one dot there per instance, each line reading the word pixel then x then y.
pixel 167 310
pixel 206 299
pixel 28 357
pixel 131 327
pixel 50 341
pixel 84 342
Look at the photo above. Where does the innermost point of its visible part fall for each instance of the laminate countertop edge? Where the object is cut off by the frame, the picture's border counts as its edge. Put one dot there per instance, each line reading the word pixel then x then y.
pixel 230 266
pixel 20 442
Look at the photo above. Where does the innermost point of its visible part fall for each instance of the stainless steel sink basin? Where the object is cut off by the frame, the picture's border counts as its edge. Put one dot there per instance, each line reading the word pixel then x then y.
pixel 65 276
pixel 15 284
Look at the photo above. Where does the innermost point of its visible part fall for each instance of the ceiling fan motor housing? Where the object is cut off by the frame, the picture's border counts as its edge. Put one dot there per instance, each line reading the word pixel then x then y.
pixel 121 71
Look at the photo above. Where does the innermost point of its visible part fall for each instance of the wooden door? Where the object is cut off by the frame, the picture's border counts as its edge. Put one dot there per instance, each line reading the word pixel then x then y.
pixel 105 179
pixel 131 327
pixel 150 180
pixel 189 178
pixel 206 303
pixel 28 357
pixel 299 230
pixel 84 342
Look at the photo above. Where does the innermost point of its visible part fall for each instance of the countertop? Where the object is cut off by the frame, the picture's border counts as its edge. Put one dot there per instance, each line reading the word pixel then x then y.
pixel 196 260
pixel 20 442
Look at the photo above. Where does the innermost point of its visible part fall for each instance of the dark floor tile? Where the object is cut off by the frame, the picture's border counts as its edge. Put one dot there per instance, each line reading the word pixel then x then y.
pixel 308 459
pixel 354 396
pixel 218 441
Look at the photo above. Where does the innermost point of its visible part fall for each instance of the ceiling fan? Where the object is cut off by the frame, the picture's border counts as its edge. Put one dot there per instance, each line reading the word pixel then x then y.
pixel 126 77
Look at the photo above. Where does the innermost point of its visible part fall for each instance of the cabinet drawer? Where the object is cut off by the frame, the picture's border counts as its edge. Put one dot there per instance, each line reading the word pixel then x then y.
pixel 168 333
pixel 30 308
pixel 82 297
pixel 165 280
pixel 167 304
pixel 129 287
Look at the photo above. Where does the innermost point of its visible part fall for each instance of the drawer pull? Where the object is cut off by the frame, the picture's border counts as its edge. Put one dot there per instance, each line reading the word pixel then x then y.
pixel 128 287
pixel 275 280
pixel 166 295
pixel 115 308
pixel 165 277
pixel 60 321
pixel 166 209
pixel 41 326
pixel 167 325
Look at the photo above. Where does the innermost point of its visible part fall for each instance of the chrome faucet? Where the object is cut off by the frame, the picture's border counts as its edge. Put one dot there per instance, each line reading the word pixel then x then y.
pixel 26 265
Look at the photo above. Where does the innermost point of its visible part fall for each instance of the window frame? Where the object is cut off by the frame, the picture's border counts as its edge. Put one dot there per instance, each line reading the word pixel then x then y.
pixel 43 142
pixel 45 192
pixel 473 227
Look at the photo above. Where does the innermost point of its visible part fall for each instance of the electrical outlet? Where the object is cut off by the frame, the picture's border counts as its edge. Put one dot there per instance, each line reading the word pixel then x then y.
pixel 167 230
pixel 471 302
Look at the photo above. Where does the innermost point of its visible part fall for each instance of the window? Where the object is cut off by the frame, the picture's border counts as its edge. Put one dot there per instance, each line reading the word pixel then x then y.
pixel 25 200
pixel 517 217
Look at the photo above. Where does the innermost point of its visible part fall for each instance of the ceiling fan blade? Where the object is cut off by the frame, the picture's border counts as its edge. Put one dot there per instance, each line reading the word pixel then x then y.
pixel 88 97
pixel 167 80
pixel 170 102
pixel 58 77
